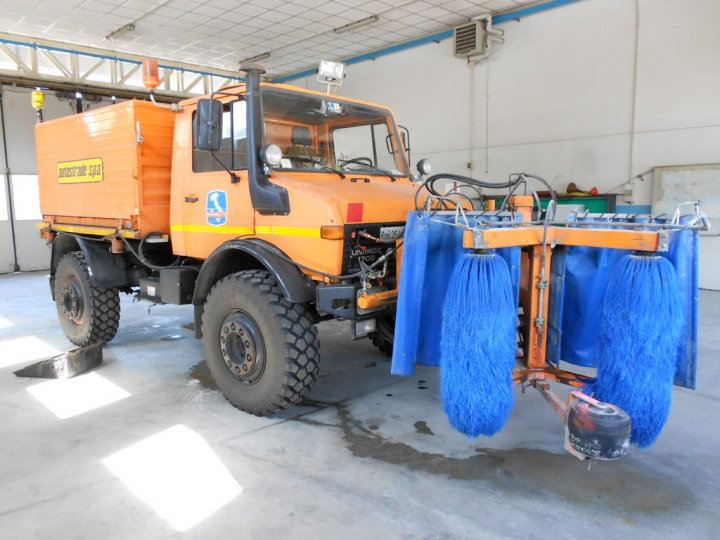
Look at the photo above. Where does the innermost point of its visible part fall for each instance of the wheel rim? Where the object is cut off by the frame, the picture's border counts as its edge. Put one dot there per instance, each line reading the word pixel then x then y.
pixel 242 348
pixel 72 301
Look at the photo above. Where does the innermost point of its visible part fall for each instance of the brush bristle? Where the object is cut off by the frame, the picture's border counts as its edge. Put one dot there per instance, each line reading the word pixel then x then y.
pixel 640 324
pixel 478 345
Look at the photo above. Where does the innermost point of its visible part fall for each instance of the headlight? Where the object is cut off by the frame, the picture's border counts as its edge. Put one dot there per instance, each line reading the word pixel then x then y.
pixel 424 167
pixel 271 155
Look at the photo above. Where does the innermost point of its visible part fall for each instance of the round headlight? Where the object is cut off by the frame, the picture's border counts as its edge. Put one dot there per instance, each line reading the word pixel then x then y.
pixel 271 155
pixel 424 167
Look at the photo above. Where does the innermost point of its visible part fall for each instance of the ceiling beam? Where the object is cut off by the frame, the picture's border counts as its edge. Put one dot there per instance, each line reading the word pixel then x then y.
pixel 110 70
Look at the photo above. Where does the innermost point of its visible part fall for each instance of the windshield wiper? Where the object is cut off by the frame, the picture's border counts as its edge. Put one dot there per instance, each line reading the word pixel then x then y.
pixel 317 162
pixel 372 168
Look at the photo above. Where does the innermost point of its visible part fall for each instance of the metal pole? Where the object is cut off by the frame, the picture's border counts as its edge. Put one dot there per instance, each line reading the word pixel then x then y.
pixel 11 209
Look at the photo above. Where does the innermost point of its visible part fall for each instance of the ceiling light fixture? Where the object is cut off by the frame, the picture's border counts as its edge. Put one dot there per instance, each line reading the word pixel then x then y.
pixel 120 32
pixel 357 24
pixel 256 58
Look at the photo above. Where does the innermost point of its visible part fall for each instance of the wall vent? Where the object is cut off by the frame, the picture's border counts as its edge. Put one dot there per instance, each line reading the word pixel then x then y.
pixel 473 40
pixel 470 39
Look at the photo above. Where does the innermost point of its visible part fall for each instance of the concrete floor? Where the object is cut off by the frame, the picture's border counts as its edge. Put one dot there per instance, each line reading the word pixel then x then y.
pixel 368 456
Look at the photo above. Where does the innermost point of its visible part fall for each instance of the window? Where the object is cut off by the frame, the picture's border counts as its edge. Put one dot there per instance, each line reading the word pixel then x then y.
pixel 3 199
pixel 321 134
pixel 364 145
pixel 26 196
pixel 233 149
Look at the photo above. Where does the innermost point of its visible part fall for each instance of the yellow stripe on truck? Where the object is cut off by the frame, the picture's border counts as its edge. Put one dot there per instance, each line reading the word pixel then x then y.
pixel 87 229
pixel 263 229
pixel 289 231
pixel 211 229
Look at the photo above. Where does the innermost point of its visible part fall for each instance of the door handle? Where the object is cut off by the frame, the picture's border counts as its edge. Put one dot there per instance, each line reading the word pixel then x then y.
pixel 191 198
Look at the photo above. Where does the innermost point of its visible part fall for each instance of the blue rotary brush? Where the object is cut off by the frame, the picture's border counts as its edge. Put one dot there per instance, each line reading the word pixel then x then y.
pixel 640 323
pixel 478 345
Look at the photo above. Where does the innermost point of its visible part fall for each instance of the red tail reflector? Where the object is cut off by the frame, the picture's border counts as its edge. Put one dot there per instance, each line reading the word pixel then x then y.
pixel 355 212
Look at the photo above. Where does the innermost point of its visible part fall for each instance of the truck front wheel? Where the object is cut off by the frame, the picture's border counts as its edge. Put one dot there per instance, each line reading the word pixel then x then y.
pixel 88 314
pixel 262 350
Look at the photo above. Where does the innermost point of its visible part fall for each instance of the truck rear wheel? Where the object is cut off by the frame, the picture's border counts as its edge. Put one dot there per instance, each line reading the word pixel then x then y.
pixel 87 314
pixel 262 350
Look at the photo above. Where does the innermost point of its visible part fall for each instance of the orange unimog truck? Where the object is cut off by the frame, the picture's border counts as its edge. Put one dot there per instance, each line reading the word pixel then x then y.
pixel 267 207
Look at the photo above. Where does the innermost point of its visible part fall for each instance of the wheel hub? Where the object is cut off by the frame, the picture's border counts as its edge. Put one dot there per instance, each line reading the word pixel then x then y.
pixel 72 302
pixel 241 347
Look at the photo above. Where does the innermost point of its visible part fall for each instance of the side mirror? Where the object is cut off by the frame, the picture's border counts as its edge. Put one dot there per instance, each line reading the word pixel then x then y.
pixel 404 138
pixel 405 135
pixel 208 125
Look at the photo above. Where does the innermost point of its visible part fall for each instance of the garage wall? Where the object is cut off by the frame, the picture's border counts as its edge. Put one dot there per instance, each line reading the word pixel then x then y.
pixel 20 118
pixel 562 97
pixel 567 97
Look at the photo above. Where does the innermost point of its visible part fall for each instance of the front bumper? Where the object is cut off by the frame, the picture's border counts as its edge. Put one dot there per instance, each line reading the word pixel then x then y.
pixel 350 301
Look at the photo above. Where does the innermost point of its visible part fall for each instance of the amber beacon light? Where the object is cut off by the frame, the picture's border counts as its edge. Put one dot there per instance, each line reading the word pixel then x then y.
pixel 151 74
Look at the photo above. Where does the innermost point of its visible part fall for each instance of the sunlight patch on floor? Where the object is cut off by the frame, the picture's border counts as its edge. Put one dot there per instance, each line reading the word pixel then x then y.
pixel 177 474
pixel 25 349
pixel 70 397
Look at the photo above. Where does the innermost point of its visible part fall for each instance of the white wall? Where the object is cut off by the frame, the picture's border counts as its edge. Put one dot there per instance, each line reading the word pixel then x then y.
pixel 557 98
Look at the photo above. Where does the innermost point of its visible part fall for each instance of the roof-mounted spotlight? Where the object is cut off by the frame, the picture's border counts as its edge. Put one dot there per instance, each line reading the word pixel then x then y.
pixel 331 74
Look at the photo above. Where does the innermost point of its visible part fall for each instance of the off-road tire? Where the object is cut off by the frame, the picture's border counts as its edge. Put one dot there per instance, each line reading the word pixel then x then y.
pixel 382 344
pixel 379 340
pixel 87 314
pixel 285 340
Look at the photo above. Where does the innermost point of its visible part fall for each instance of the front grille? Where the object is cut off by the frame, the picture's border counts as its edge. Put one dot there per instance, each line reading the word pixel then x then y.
pixel 357 248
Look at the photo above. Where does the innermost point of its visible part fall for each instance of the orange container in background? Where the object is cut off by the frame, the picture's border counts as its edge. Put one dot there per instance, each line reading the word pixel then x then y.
pixel 108 168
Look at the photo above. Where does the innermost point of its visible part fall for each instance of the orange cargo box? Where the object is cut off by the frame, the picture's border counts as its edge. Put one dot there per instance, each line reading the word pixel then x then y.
pixel 107 170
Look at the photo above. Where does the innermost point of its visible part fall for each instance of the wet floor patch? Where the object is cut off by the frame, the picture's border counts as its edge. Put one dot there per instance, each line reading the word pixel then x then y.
pixel 201 373
pixel 422 428
pixel 316 403
pixel 623 486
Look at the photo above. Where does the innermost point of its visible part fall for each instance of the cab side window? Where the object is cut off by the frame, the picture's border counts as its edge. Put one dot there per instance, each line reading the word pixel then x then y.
pixel 233 149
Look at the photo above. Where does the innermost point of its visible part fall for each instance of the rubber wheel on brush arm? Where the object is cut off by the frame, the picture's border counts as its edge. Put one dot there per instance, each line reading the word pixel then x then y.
pixel 87 314
pixel 262 350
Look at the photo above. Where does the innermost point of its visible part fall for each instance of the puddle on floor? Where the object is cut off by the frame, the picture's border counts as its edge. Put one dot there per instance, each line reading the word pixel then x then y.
pixel 422 428
pixel 626 485
pixel 201 373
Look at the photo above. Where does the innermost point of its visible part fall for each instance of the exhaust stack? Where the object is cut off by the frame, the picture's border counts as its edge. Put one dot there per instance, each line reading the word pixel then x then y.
pixel 267 198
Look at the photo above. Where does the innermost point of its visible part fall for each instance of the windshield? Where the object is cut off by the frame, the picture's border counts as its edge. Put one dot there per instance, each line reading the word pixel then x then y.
pixel 318 133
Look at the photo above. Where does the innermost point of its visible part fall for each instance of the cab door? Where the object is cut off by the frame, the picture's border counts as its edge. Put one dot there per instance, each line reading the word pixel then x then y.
pixel 216 207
